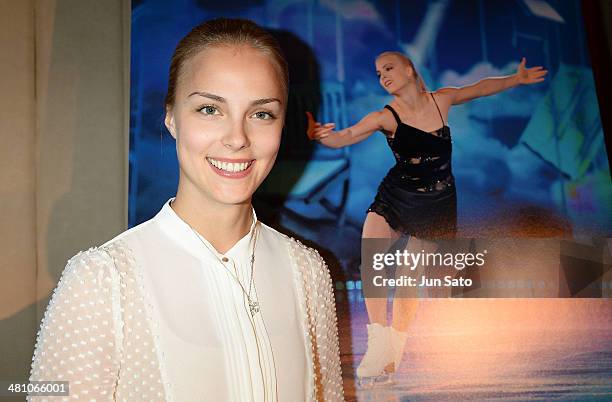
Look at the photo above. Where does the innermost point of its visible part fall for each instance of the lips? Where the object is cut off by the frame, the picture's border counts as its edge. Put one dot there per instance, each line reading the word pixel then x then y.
pixel 232 168
pixel 387 83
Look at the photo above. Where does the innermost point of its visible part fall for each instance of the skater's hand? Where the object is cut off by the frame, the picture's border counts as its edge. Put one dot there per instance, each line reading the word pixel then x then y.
pixel 317 131
pixel 529 75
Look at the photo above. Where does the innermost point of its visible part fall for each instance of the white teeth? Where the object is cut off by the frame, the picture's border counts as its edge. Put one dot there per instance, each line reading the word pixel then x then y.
pixel 228 166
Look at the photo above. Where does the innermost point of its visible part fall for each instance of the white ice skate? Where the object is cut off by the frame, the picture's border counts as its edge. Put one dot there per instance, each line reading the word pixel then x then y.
pixel 376 367
pixel 398 341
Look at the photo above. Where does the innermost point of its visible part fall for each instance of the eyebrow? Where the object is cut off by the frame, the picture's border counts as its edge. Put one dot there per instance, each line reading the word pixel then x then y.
pixel 221 99
pixel 386 64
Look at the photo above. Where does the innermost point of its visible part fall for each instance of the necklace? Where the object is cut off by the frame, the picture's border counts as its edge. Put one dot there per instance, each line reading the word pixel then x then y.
pixel 253 304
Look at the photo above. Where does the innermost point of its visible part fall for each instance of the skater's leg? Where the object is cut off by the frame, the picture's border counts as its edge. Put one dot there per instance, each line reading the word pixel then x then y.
pixel 378 359
pixel 376 227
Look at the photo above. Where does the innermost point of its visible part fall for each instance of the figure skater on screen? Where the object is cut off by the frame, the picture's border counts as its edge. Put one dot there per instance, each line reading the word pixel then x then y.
pixel 417 198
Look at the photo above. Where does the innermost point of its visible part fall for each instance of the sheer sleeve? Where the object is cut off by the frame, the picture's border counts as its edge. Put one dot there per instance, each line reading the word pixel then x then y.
pixel 322 323
pixel 326 332
pixel 79 336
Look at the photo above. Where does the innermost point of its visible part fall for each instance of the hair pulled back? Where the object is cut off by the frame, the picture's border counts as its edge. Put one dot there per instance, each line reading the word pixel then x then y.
pixel 225 32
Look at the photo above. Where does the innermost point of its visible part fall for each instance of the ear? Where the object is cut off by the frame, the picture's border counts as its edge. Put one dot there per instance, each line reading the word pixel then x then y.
pixel 409 70
pixel 169 122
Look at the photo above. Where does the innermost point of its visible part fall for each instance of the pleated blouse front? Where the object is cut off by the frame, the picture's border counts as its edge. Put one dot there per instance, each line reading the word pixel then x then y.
pixel 214 348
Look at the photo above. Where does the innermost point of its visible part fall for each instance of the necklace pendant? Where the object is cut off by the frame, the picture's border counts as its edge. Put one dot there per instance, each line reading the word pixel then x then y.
pixel 253 307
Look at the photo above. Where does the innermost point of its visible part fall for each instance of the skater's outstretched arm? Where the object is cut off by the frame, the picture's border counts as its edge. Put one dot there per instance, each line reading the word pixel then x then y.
pixel 325 134
pixel 493 85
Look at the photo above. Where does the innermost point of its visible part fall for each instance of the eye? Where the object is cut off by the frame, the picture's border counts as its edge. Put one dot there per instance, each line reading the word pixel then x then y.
pixel 209 110
pixel 263 115
pixel 389 68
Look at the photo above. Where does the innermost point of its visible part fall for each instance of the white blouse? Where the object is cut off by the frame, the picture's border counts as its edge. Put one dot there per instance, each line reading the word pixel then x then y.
pixel 158 314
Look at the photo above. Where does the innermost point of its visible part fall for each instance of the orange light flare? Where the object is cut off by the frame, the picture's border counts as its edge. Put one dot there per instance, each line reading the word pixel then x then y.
pixel 477 340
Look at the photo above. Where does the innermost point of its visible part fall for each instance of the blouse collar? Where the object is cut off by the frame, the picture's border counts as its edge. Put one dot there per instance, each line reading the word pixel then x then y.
pixel 194 243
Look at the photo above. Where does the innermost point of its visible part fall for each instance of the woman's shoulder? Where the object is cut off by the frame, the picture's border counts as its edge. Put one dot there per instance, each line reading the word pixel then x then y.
pixel 97 270
pixel 444 96
pixel 110 252
pixel 298 250
pixel 124 238
pixel 87 271
pixel 107 256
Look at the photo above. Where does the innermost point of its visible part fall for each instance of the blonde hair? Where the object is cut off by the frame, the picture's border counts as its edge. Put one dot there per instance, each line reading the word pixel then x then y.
pixel 226 32
pixel 419 81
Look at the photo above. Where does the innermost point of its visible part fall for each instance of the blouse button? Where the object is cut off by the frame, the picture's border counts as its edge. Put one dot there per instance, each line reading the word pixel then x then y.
pixel 225 259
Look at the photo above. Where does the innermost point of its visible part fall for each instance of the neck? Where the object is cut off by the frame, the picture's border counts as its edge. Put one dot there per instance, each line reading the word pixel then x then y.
pixel 412 97
pixel 221 224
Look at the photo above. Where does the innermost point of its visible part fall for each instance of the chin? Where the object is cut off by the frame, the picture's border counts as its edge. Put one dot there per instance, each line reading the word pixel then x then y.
pixel 233 197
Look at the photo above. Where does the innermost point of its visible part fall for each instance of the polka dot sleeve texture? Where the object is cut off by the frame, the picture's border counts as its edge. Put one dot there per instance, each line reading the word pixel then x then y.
pixel 322 323
pixel 77 341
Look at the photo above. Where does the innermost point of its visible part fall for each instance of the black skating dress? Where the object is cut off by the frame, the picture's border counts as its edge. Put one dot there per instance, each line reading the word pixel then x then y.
pixel 417 196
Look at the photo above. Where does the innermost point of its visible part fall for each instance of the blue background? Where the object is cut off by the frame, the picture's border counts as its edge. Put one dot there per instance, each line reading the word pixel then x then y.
pixel 535 151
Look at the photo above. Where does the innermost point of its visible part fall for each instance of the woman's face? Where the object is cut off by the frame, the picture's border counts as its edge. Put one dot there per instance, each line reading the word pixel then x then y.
pixel 393 74
pixel 227 121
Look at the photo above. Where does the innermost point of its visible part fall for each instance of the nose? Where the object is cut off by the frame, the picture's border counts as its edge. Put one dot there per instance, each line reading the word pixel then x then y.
pixel 236 138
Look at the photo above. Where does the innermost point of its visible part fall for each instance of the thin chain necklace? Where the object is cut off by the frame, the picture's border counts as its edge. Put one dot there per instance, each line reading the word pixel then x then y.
pixel 253 304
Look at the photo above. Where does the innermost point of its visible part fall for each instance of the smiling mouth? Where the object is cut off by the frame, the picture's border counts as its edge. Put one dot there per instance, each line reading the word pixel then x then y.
pixel 388 83
pixel 230 167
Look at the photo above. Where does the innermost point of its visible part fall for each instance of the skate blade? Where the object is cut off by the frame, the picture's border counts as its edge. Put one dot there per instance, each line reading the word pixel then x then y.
pixel 375 381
